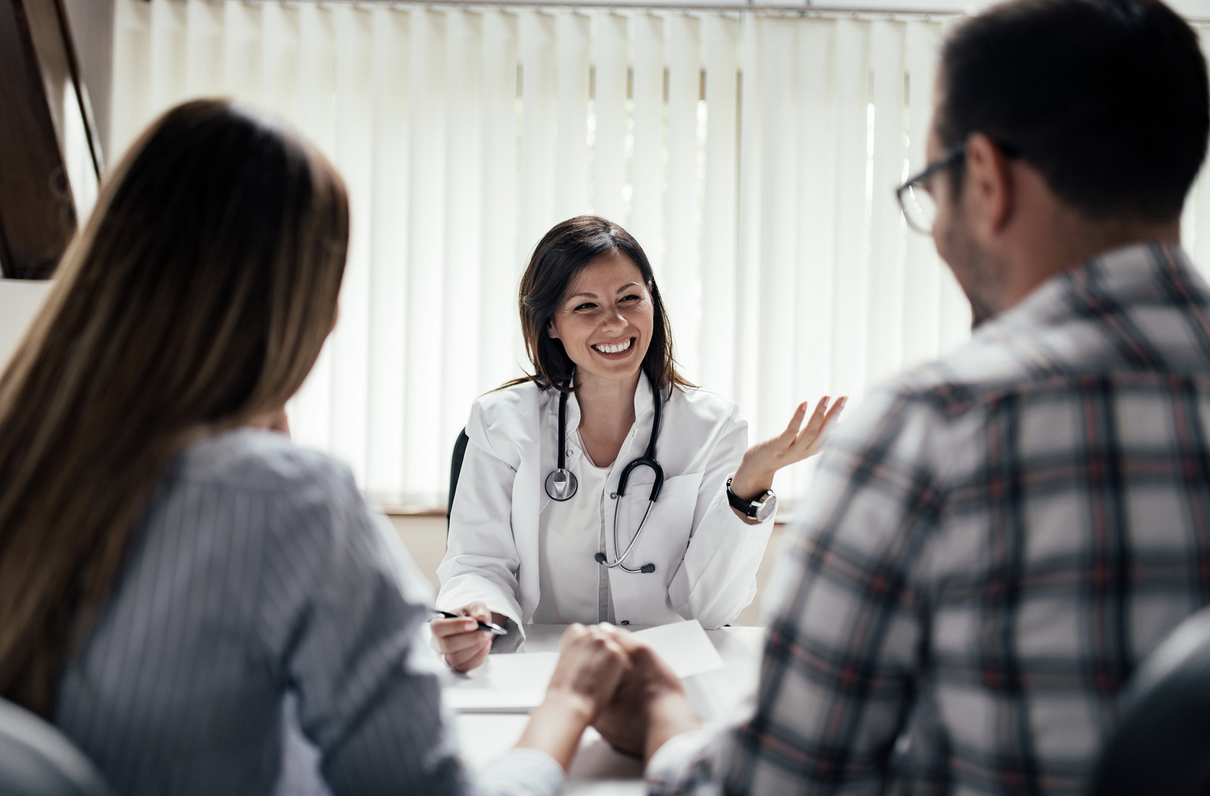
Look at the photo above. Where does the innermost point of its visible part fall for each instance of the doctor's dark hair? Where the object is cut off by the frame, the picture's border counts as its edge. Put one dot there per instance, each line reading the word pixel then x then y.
pixel 557 259
pixel 1107 99
pixel 194 300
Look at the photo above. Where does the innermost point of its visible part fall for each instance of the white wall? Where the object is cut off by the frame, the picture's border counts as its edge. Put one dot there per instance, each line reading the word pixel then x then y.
pixel 19 302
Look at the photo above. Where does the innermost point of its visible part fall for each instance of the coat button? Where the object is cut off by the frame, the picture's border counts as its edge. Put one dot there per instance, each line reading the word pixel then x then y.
pixel 625 621
pixel 613 495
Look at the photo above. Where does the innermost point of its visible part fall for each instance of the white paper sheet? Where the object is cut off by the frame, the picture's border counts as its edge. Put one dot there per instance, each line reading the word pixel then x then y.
pixel 516 682
pixel 684 646
pixel 505 683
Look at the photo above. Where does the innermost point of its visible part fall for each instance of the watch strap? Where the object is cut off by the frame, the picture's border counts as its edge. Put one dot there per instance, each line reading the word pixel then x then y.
pixel 748 508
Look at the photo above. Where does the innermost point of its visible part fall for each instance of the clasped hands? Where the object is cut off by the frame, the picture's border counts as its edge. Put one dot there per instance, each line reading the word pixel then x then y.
pixel 616 683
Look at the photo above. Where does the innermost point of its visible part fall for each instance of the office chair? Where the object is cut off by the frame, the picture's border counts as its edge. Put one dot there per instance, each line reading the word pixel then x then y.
pixel 1162 742
pixel 455 471
pixel 38 760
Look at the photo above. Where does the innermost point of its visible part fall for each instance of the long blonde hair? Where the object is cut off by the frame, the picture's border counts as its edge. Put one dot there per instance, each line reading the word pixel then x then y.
pixel 197 297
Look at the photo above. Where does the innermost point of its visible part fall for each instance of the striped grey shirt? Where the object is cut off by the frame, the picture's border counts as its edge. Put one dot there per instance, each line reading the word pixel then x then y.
pixel 259 575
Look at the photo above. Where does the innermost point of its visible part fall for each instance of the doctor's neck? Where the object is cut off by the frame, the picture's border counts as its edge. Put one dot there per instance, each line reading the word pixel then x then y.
pixel 605 401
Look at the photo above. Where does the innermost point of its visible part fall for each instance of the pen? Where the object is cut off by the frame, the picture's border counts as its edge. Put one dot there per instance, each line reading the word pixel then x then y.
pixel 495 630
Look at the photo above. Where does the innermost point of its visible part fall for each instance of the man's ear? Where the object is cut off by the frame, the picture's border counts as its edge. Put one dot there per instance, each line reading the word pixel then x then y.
pixel 988 190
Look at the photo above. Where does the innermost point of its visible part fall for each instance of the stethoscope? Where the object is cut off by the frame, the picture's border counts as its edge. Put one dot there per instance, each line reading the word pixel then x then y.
pixel 562 483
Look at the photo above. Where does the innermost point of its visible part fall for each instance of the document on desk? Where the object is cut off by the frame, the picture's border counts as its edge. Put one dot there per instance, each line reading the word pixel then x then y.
pixel 684 646
pixel 506 683
pixel 516 682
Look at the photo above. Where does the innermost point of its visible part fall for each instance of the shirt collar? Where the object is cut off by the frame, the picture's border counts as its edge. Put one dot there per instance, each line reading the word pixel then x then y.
pixel 1120 275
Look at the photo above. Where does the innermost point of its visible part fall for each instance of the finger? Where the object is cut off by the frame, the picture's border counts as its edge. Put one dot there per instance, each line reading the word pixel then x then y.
pixel 619 654
pixel 629 643
pixel 468 641
pixel 817 417
pixel 479 611
pixel 595 639
pixel 815 425
pixel 832 416
pixel 838 408
pixel 479 659
pixel 812 439
pixel 795 423
pixel 603 635
pixel 602 645
pixel 571 635
pixel 605 630
pixel 452 627
pixel 465 660
pixel 464 641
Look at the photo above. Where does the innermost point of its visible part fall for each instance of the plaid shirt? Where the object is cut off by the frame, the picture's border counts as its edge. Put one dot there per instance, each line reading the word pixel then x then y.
pixel 993 544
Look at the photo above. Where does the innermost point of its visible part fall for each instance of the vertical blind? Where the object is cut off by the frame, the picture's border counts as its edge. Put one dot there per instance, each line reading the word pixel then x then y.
pixel 754 157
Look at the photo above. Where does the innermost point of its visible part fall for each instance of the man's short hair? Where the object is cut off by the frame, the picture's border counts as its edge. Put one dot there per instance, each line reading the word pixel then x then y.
pixel 1107 99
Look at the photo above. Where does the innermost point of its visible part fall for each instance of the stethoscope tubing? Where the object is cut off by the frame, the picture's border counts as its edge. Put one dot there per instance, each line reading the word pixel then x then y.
pixel 561 475
pixel 645 568
pixel 562 484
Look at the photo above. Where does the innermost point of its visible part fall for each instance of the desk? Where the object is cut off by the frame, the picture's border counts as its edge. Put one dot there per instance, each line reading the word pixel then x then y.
pixel 718 697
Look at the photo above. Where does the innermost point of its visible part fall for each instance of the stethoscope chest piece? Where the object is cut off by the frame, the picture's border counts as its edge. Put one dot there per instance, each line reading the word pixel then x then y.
pixel 561 484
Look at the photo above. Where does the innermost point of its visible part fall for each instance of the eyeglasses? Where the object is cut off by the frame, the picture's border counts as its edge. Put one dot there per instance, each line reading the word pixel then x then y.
pixel 918 205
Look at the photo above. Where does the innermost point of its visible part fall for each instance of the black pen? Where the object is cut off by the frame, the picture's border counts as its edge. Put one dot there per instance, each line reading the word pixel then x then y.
pixel 495 630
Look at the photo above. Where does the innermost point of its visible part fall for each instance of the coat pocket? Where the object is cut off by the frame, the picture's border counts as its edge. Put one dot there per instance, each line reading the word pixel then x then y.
pixel 665 534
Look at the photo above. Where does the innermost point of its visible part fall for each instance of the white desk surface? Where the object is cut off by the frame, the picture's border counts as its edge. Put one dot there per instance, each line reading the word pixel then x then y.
pixel 718 697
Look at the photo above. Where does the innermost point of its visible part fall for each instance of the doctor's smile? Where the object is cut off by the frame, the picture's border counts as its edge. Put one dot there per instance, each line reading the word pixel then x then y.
pixel 614 350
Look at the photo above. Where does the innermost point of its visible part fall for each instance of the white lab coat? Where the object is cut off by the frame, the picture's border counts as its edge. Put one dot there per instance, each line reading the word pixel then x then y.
pixel 706 557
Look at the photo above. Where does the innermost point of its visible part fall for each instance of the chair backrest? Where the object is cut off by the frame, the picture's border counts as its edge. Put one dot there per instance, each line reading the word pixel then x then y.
pixel 38 760
pixel 455 471
pixel 1162 742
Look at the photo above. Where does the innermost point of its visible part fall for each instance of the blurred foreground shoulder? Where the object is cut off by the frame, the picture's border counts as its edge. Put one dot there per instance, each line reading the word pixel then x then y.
pixel 255 460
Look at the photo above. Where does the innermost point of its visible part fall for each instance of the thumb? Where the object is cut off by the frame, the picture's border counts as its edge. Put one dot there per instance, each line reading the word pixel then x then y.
pixel 478 610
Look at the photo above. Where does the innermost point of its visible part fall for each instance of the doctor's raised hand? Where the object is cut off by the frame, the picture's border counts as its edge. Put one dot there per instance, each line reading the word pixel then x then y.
pixel 754 477
pixel 604 486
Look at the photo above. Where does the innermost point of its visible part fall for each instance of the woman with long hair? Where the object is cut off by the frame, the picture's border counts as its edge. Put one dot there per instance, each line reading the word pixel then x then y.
pixel 169 575
pixel 604 486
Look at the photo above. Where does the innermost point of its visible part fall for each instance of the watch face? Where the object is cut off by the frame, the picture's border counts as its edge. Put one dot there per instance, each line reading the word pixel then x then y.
pixel 767 508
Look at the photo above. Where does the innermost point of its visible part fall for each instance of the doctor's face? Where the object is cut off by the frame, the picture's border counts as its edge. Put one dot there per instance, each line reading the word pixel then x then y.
pixel 605 319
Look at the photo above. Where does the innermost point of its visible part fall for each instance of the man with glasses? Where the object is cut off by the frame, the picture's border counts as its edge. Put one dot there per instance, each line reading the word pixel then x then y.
pixel 998 538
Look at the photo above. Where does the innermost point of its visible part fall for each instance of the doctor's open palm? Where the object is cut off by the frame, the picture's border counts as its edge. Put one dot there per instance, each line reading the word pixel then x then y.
pixel 754 476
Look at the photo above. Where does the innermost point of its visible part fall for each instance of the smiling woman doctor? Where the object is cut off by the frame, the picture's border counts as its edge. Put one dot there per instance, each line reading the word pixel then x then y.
pixel 605 487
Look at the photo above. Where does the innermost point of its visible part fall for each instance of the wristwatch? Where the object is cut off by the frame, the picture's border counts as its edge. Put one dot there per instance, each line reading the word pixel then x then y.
pixel 759 510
